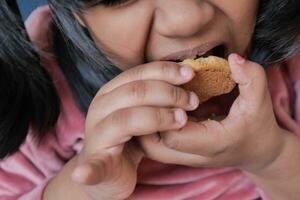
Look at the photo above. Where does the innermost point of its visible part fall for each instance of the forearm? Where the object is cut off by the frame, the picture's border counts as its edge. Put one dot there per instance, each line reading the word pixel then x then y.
pixel 62 187
pixel 281 179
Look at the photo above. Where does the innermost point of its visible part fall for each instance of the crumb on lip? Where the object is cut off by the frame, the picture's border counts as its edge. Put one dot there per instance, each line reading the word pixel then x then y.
pixel 218 51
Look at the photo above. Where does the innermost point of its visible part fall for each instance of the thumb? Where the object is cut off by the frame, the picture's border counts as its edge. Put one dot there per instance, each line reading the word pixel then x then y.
pixel 250 77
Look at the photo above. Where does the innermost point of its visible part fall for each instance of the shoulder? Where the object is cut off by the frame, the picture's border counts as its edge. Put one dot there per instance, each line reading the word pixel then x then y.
pixel 38 26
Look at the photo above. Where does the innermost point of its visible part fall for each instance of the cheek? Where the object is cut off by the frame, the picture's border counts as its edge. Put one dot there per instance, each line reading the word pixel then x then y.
pixel 242 18
pixel 122 42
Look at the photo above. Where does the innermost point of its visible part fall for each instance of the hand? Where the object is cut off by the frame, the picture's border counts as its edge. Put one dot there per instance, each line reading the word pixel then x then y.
pixel 140 101
pixel 249 138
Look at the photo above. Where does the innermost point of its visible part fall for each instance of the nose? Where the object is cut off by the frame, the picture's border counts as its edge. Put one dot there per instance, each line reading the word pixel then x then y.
pixel 182 18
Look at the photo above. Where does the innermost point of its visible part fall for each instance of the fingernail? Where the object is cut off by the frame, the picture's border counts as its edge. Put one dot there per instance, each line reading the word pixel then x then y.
pixel 194 100
pixel 239 59
pixel 186 71
pixel 179 116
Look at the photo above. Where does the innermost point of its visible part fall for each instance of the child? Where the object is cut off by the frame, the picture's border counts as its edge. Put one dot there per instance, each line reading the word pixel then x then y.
pixel 115 56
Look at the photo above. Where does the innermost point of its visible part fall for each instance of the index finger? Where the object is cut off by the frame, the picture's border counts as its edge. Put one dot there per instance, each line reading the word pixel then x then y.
pixel 171 72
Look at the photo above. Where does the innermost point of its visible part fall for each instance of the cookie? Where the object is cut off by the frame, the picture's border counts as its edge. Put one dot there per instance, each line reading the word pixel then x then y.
pixel 213 77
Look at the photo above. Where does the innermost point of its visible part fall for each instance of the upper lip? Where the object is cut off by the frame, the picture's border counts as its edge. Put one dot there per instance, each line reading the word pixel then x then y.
pixel 191 53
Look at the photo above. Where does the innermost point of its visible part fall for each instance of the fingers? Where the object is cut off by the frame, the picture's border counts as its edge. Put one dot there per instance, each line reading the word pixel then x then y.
pixel 155 149
pixel 207 138
pixel 143 93
pixel 170 72
pixel 250 77
pixel 120 126
pixel 106 139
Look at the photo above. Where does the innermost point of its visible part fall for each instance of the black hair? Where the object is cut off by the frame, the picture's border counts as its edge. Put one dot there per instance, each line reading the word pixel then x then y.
pixel 86 68
pixel 28 96
pixel 276 37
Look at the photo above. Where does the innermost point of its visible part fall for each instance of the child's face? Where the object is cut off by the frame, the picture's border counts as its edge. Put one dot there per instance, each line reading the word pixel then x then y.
pixel 148 30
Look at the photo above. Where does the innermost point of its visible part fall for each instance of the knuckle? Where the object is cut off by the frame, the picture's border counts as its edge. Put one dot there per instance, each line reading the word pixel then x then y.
pixel 169 117
pixel 159 117
pixel 138 90
pixel 175 94
pixel 164 118
pixel 178 96
pixel 118 118
pixel 137 73
pixel 168 69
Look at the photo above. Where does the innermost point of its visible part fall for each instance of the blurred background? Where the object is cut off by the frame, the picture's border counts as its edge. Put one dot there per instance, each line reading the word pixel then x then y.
pixel 26 6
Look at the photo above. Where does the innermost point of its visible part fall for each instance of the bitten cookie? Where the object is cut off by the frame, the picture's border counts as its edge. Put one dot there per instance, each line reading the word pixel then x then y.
pixel 213 77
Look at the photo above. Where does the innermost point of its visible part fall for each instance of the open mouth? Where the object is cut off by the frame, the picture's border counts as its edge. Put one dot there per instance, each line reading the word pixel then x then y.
pixel 219 51
pixel 215 108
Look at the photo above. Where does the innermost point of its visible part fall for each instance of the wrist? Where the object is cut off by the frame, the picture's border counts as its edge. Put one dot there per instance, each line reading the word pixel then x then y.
pixel 281 177
pixel 276 168
pixel 63 187
pixel 262 156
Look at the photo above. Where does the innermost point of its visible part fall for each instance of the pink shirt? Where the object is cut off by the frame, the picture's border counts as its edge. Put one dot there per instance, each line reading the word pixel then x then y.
pixel 25 174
